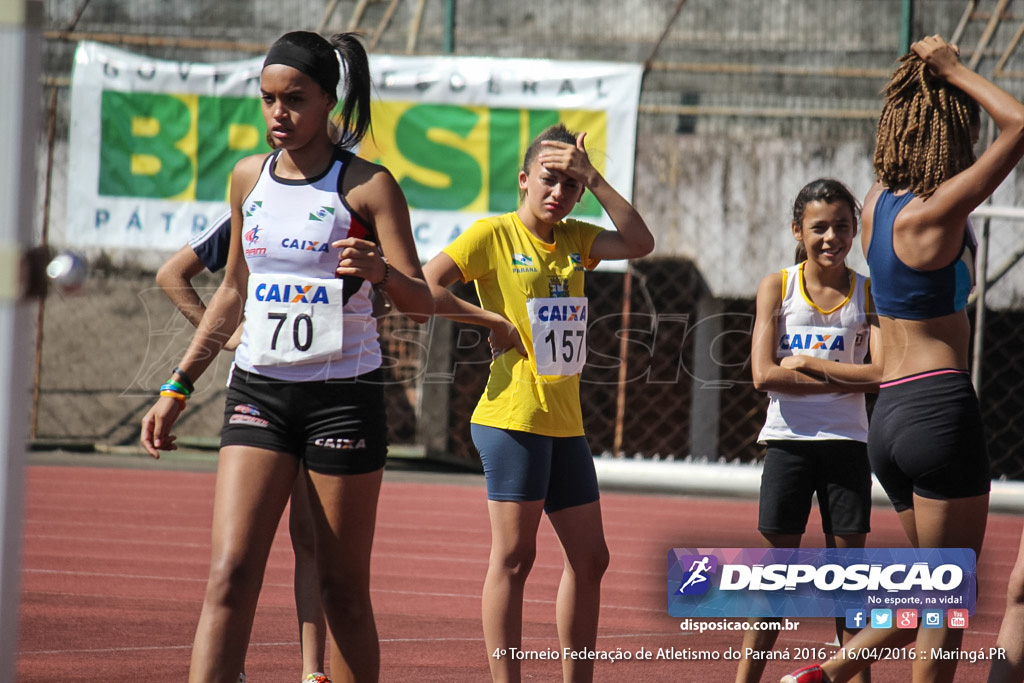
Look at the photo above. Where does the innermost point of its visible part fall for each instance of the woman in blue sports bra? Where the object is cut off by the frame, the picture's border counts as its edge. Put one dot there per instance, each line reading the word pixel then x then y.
pixel 925 440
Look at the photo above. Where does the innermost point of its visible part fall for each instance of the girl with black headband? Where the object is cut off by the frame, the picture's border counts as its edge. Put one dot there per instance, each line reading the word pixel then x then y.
pixel 314 229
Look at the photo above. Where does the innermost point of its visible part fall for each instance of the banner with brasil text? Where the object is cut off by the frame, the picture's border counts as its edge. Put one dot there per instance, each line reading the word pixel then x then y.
pixel 153 142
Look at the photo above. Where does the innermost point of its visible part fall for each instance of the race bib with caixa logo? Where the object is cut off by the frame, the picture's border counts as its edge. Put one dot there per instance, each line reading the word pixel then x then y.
pixel 559 329
pixel 293 320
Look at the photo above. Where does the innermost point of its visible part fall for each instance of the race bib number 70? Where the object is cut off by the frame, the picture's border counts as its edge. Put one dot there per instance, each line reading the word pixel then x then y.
pixel 293 320
pixel 559 329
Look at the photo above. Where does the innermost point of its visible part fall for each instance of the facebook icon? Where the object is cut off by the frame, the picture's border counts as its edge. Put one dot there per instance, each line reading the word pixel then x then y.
pixel 856 618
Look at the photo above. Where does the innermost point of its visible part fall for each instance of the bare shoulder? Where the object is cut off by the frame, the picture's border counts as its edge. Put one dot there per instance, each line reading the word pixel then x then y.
pixel 247 170
pixel 252 163
pixel 770 289
pixel 867 214
pixel 363 175
pixel 870 199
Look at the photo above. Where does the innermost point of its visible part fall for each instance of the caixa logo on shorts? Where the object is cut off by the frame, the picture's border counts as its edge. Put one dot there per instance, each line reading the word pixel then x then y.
pixel 341 444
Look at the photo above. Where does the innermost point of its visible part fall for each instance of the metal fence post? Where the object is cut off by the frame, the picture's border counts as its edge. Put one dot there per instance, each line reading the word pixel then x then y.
pixel 20 26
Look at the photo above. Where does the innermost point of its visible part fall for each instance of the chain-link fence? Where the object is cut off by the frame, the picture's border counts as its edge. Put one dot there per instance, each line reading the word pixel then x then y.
pixel 742 104
pixel 653 384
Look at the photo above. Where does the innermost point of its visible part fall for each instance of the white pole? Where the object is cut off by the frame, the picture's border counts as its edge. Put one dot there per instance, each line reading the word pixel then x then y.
pixel 20 36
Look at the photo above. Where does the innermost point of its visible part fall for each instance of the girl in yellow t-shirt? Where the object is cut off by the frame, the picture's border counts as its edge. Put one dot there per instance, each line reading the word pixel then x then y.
pixel 528 268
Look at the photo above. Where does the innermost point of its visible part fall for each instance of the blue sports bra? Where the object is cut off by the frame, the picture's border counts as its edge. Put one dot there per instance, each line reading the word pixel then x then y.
pixel 900 291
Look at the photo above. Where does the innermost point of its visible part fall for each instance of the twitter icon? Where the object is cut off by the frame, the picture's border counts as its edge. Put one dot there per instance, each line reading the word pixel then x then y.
pixel 881 618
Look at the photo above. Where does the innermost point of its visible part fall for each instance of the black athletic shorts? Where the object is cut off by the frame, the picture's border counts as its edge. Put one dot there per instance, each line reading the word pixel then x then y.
pixel 836 470
pixel 337 426
pixel 926 437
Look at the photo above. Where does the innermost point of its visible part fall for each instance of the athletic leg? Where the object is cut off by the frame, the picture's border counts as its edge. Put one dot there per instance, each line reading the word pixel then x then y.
pixel 844 497
pixel 789 479
pixel 585 556
pixel 757 637
pixel 344 511
pixel 513 550
pixel 845 634
pixel 957 523
pixel 517 467
pixel 252 489
pixel 312 625
pixel 1011 633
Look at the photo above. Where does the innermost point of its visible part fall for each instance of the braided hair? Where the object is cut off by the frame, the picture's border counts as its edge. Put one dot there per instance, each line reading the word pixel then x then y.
pixel 924 132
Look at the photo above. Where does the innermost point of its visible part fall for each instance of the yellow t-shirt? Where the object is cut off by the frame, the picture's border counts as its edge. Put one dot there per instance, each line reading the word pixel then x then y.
pixel 508 266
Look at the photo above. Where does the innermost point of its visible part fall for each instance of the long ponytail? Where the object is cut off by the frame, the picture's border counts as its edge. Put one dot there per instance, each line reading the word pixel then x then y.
pixel 355 107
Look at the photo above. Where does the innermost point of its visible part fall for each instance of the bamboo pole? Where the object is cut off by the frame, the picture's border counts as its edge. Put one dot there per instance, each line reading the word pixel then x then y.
pixel 327 16
pixel 357 15
pixel 51 134
pixel 414 27
pixel 761 112
pixel 620 394
pixel 389 13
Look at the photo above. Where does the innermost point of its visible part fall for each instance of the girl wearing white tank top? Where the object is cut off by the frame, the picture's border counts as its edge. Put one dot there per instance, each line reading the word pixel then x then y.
pixel 811 337
pixel 299 278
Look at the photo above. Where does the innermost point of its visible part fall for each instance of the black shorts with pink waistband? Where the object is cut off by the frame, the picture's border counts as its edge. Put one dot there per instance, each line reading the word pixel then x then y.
pixel 926 438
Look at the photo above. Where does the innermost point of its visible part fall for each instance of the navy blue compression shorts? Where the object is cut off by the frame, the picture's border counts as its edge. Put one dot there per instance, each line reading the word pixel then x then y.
pixel 520 466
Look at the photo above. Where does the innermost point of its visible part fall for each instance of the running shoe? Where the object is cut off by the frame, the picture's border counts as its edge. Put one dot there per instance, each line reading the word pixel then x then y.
pixel 808 674
pixel 316 678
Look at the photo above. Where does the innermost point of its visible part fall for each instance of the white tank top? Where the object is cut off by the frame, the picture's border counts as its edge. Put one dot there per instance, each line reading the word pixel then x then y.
pixel 301 322
pixel 841 334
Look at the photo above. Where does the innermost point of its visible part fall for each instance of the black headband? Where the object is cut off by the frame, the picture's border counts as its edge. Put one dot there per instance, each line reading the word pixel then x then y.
pixel 305 61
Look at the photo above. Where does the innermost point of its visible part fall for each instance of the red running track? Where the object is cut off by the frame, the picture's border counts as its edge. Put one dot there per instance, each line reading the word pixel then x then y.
pixel 115 559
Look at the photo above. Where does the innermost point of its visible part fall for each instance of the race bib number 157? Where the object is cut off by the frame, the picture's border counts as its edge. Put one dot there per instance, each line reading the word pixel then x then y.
pixel 292 320
pixel 559 329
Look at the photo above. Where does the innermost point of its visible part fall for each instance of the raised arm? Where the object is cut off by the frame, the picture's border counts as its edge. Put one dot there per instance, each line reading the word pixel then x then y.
pixel 954 199
pixel 631 237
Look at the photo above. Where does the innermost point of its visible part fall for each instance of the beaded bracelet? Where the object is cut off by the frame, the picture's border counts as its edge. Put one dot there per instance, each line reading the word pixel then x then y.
pixel 387 272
